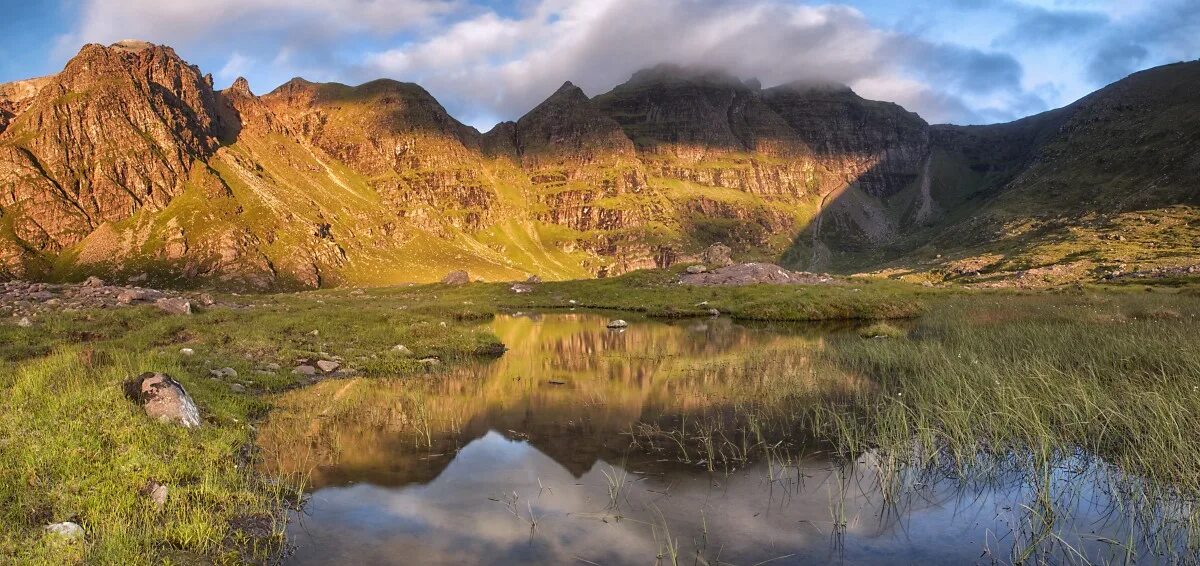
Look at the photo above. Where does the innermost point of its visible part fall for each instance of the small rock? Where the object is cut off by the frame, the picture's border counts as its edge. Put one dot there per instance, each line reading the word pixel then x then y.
pixel 534 279
pixel 93 281
pixel 66 530
pixel 223 373
pixel 459 277
pixel 402 350
pixel 25 322
pixel 571 302
pixel 520 288
pixel 237 388
pixel 618 323
pixel 130 296
pixel 714 312
pixel 694 269
pixel 206 299
pixel 717 255
pixel 41 296
pixel 174 306
pixel 163 399
pixel 315 333
pixel 304 370
pixel 430 361
pixel 328 366
pixel 156 493
pixel 186 352
pixel 273 367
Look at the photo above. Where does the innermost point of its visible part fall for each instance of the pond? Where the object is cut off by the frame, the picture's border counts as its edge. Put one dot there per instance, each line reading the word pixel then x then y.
pixel 585 445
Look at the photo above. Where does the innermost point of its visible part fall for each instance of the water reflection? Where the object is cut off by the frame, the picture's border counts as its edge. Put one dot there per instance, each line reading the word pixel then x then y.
pixel 528 459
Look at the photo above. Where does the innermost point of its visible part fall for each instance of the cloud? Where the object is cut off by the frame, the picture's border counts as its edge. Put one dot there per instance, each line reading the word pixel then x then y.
pixel 487 62
pixel 494 66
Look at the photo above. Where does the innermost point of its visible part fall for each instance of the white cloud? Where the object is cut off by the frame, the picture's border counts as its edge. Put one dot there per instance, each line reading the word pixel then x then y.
pixel 238 65
pixel 485 64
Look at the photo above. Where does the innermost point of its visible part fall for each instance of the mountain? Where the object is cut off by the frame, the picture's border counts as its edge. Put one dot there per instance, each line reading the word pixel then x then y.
pixel 129 161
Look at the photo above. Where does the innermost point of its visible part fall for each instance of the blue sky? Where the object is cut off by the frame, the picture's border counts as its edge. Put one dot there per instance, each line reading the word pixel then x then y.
pixel 961 61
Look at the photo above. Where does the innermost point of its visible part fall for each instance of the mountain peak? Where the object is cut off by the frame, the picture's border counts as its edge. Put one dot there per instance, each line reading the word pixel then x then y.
pixel 241 86
pixel 132 45
pixel 671 72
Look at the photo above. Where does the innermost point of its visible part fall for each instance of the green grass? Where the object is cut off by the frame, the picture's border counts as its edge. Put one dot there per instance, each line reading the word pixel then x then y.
pixel 1035 376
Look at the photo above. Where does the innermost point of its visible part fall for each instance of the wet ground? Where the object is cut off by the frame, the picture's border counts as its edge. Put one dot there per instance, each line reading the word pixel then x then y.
pixel 534 458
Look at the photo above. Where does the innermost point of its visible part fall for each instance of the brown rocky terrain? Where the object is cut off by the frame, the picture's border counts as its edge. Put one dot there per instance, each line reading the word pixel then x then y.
pixel 129 161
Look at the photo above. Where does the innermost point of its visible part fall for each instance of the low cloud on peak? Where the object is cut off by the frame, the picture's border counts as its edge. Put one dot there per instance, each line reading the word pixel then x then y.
pixel 963 61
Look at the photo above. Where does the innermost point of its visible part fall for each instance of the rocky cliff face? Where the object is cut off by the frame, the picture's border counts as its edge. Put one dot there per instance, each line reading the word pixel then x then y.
pixel 128 161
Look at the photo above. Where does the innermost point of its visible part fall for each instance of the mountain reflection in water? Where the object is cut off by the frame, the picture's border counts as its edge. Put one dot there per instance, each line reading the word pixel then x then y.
pixel 528 459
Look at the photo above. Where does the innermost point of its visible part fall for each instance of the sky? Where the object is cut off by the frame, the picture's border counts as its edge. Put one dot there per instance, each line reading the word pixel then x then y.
pixel 956 61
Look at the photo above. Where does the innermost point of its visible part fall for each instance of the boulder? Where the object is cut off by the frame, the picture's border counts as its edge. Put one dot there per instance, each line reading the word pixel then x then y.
pixel 25 322
pixel 187 352
pixel 66 530
pixel 716 255
pixel 459 277
pixel 694 269
pixel 163 399
pixel 714 312
pixel 93 281
pixel 521 288
pixel 174 306
pixel 223 373
pixel 402 350
pixel 328 366
pixel 304 369
pixel 237 388
pixel 618 323
pixel 533 279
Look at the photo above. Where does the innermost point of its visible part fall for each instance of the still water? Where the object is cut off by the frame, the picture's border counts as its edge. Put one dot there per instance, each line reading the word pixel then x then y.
pixel 535 458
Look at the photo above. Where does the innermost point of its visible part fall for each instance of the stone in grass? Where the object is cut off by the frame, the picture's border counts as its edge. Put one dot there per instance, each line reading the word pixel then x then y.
pixel 223 373
pixel 156 493
pixel 174 306
pixel 618 323
pixel 163 399
pixel 93 281
pixel 521 288
pixel 694 269
pixel 237 388
pixel 187 352
pixel 66 530
pixel 430 361
pixel 328 366
pixel 402 350
pixel 305 370
pixel 25 322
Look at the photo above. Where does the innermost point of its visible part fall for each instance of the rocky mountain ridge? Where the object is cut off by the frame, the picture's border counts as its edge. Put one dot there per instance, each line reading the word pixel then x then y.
pixel 129 161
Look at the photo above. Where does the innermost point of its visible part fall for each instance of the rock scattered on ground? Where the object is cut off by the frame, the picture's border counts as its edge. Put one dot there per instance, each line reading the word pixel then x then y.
pixel 534 279
pixel 698 268
pixel 177 305
pixel 521 288
pixel 305 369
pixel 22 299
pixel 163 399
pixel 328 366
pixel 459 277
pixel 223 373
pixel 754 273
pixel 186 352
pixel 402 350
pixel 430 361
pixel 237 388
